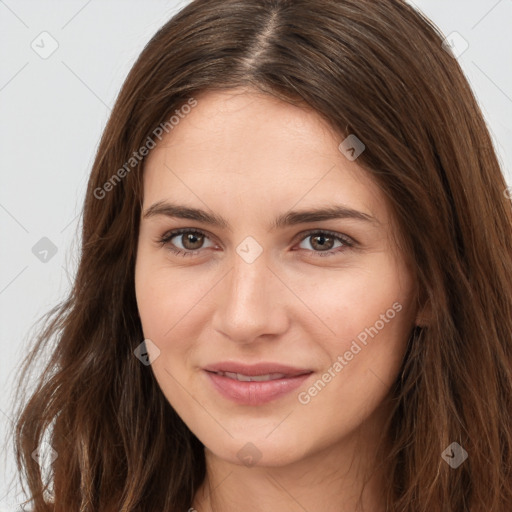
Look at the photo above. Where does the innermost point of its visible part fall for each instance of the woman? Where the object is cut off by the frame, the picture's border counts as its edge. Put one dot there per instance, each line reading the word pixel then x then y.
pixel 295 283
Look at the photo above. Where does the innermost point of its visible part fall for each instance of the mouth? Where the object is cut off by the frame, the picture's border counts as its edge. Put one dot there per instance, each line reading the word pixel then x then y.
pixel 253 378
pixel 255 385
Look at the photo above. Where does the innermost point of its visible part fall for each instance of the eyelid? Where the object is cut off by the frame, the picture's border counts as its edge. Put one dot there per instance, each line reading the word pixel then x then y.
pixel 345 239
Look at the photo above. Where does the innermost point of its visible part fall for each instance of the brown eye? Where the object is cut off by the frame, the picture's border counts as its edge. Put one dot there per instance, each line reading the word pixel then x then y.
pixel 185 241
pixel 188 242
pixel 323 243
pixel 192 241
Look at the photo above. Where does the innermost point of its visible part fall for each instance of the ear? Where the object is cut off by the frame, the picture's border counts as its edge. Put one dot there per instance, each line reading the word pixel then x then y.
pixel 424 315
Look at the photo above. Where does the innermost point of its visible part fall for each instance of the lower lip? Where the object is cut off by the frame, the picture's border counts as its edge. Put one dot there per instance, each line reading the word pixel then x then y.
pixel 255 393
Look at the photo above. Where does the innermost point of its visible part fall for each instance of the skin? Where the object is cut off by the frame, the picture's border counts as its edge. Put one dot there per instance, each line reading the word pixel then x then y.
pixel 249 157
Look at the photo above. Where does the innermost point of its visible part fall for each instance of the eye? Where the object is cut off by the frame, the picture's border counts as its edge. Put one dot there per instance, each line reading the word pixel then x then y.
pixel 193 240
pixel 321 244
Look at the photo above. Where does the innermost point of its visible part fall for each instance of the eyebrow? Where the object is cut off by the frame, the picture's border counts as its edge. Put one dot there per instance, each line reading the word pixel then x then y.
pixel 290 218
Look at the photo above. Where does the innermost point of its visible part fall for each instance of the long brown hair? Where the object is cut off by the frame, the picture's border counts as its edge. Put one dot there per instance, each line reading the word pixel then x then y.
pixel 373 68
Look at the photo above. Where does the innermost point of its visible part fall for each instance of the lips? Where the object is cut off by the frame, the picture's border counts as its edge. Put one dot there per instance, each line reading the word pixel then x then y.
pixel 255 384
pixel 254 370
pixel 252 378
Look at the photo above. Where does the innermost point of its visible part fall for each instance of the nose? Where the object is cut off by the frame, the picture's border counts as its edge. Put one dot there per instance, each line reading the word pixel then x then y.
pixel 251 302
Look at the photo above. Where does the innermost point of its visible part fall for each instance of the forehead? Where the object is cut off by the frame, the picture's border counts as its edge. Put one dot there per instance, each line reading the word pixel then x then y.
pixel 240 124
pixel 253 148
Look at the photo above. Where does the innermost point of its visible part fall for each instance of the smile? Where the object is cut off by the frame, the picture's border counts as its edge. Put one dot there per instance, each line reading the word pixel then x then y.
pixel 254 389
pixel 252 378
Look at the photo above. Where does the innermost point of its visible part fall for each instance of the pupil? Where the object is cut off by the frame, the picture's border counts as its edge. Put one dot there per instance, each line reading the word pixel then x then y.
pixel 323 244
pixel 192 239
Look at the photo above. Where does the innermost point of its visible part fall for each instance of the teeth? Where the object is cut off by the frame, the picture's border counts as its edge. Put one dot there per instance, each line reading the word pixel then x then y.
pixel 252 378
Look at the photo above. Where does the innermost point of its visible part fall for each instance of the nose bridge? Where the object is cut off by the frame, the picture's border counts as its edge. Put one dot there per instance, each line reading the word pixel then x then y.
pixel 249 280
pixel 247 305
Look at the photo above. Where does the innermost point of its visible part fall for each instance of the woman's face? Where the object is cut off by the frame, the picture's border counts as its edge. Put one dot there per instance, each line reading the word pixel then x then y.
pixel 258 281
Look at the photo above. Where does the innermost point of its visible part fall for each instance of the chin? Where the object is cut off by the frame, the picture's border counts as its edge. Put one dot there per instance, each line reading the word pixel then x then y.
pixel 259 450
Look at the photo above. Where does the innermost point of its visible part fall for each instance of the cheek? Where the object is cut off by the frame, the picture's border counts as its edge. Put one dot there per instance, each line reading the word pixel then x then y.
pixel 152 300
pixel 163 297
pixel 369 315
pixel 164 301
pixel 171 304
pixel 356 299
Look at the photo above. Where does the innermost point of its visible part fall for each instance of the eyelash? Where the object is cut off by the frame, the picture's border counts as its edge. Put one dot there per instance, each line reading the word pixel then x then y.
pixel 346 241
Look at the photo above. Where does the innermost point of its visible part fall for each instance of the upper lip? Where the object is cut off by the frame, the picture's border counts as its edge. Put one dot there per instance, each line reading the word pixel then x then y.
pixel 252 370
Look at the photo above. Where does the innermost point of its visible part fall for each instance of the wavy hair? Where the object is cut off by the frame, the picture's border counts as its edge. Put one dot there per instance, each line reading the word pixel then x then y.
pixel 373 68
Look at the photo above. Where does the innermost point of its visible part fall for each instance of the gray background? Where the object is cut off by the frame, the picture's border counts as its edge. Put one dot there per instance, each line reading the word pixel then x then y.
pixel 52 113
